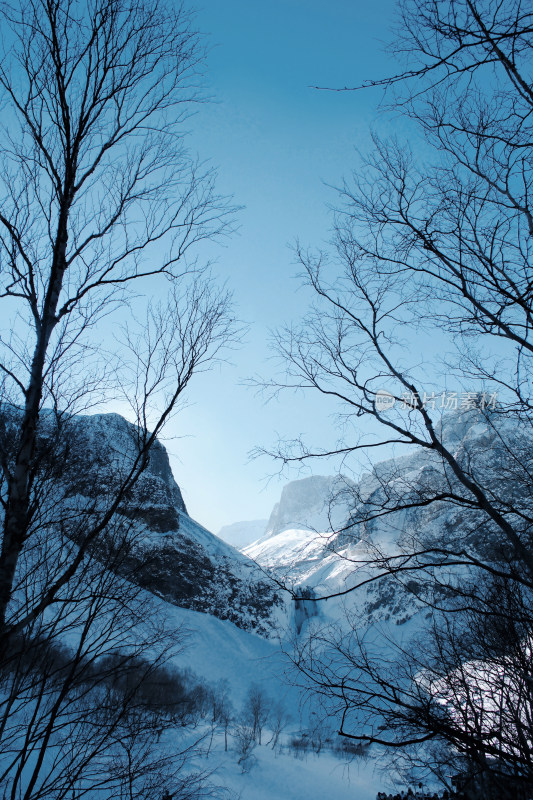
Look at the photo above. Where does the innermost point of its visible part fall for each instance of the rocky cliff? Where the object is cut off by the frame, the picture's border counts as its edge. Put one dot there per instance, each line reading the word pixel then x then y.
pixel 332 558
pixel 85 459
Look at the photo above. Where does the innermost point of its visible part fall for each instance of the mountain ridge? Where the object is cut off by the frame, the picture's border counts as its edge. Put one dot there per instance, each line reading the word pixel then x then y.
pixel 169 553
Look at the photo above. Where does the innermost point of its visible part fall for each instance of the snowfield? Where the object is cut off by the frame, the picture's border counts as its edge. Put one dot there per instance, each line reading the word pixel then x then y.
pixel 217 650
pixel 279 775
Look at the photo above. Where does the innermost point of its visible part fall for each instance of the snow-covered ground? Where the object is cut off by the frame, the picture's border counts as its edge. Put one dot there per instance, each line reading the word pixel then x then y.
pixel 217 650
pixel 281 775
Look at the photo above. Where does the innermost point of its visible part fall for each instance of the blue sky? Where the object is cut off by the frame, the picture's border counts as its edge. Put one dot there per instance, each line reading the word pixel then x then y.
pixel 277 143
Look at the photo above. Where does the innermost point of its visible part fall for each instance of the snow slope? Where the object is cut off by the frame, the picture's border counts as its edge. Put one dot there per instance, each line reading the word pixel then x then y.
pixel 280 775
pixel 218 650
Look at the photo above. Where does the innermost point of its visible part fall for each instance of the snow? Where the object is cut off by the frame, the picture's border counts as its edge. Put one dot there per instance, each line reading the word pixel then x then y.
pixel 283 776
pixel 288 548
pixel 217 650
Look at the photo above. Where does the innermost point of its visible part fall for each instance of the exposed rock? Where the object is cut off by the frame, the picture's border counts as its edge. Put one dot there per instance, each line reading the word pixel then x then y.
pixel 317 502
pixel 86 459
pixel 329 560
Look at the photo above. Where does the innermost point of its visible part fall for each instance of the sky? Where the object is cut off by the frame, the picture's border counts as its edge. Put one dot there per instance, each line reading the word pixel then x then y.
pixel 280 147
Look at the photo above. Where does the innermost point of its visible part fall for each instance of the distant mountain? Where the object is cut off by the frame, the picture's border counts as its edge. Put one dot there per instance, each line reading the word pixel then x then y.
pixel 241 534
pixel 316 503
pixel 331 558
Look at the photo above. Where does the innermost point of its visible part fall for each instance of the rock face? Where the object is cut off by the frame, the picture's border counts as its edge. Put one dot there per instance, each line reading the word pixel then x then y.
pixel 327 561
pixel 167 553
pixel 102 449
pixel 176 557
pixel 191 568
pixel 315 503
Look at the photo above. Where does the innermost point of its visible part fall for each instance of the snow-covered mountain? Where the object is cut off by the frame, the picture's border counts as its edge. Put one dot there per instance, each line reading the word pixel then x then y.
pixel 334 557
pixel 316 503
pixel 299 542
pixel 175 556
pixel 171 554
pixel 315 542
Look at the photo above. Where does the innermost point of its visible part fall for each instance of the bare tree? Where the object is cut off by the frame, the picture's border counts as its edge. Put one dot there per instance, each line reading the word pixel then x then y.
pixel 99 194
pixel 221 709
pixel 77 711
pixel 245 744
pixel 256 710
pixel 101 204
pixel 279 719
pixel 435 241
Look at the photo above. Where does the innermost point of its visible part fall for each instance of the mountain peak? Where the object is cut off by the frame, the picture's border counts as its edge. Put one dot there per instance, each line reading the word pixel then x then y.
pixel 317 502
